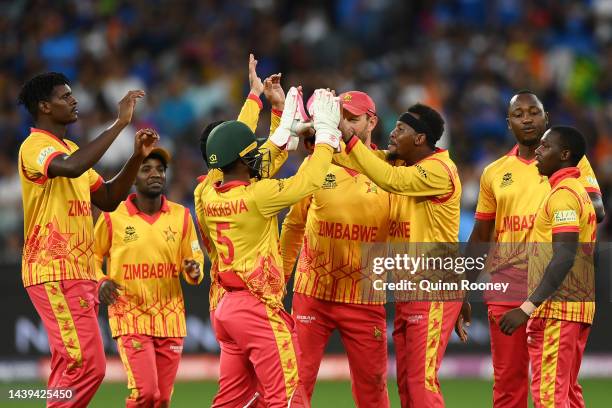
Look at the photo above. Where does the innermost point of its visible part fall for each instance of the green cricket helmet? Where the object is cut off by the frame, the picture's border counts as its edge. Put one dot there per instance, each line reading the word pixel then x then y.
pixel 231 141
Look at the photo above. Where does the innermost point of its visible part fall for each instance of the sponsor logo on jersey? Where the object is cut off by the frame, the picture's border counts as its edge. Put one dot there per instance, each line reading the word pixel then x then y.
pixel 330 181
pixel 421 170
pixel 130 234
pixel 44 153
pixel 506 180
pixel 565 216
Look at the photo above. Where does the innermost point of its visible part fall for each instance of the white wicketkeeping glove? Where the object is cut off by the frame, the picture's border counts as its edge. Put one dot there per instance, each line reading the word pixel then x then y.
pixel 280 137
pixel 292 121
pixel 301 121
pixel 326 117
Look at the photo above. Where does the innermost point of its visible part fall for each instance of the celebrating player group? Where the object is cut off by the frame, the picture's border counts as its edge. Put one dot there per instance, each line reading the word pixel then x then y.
pixel 346 197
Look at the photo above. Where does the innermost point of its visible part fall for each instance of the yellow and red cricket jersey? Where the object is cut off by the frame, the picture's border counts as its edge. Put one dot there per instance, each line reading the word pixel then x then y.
pixel 58 227
pixel 424 206
pixel 331 226
pixel 240 218
pixel 566 208
pixel 249 115
pixel 511 191
pixel 145 255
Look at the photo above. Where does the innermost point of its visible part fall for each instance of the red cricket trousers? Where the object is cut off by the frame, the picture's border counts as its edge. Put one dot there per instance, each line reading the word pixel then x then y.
pixel 69 312
pixel 363 330
pixel 421 333
pixel 258 343
pixel 510 361
pixel 555 349
pixel 233 369
pixel 151 364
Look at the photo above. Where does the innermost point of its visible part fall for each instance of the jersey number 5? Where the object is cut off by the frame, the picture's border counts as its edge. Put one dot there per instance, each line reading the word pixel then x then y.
pixel 222 240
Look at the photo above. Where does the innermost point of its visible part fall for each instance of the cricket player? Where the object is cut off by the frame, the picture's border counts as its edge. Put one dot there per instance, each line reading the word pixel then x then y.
pixel 250 320
pixel 424 209
pixel 58 187
pixel 560 306
pixel 148 243
pixel 511 191
pixel 332 289
pixel 249 115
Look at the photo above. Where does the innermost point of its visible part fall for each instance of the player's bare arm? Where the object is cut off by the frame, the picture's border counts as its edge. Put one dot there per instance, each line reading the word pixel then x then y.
pixel 87 156
pixel 112 192
pixel 478 244
pixel 598 205
pixel 257 87
pixel 109 291
pixel 564 248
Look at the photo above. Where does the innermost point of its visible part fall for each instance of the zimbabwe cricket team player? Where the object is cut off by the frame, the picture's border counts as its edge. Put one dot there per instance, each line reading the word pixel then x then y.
pixel 425 198
pixel 58 187
pixel 560 306
pixel 149 242
pixel 250 320
pixel 511 191
pixel 331 287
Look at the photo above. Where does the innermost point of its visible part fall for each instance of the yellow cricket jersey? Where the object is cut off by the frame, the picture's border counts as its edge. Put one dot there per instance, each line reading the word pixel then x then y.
pixel 249 115
pixel 331 226
pixel 241 221
pixel 145 255
pixel 58 227
pixel 511 191
pixel 424 206
pixel 566 208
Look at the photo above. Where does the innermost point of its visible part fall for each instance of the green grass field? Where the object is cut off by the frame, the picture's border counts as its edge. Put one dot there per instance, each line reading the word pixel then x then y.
pixel 457 394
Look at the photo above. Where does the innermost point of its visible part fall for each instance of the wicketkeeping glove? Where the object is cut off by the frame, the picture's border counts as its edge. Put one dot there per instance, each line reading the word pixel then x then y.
pixel 326 117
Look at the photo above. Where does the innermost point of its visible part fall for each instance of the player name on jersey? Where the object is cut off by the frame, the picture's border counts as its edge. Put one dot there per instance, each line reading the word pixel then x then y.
pixel 225 208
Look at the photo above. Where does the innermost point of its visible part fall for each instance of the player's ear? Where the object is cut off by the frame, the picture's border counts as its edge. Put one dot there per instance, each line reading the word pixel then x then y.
pixel 508 123
pixel 565 154
pixel 372 122
pixel 420 139
pixel 44 107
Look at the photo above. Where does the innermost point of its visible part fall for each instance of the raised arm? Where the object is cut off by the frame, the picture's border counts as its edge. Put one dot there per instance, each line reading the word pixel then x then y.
pixel 108 196
pixel 74 165
pixel 429 178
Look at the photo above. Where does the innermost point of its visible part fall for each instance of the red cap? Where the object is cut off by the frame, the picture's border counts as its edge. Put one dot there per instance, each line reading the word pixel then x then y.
pixel 358 103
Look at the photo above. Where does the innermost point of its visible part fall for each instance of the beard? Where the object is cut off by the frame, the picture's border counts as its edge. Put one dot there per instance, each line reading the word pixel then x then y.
pixel 393 155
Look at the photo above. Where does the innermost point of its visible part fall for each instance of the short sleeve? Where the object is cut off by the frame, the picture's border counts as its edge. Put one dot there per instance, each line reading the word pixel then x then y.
pixel 587 176
pixel 564 209
pixel 37 154
pixel 95 180
pixel 487 205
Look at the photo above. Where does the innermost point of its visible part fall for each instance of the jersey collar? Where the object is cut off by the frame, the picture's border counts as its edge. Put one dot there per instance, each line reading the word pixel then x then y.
pixel 51 135
pixel 514 152
pixel 567 172
pixel 133 210
pixel 437 150
pixel 229 185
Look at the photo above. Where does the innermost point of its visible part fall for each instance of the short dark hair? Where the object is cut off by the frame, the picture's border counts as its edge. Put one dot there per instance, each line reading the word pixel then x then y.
pixel 204 137
pixel 572 140
pixel 39 89
pixel 432 119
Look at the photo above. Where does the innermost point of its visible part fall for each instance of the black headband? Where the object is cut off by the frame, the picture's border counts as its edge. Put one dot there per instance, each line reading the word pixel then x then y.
pixel 418 125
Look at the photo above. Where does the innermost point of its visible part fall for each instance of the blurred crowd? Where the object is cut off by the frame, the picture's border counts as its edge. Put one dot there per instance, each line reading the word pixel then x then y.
pixel 463 57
